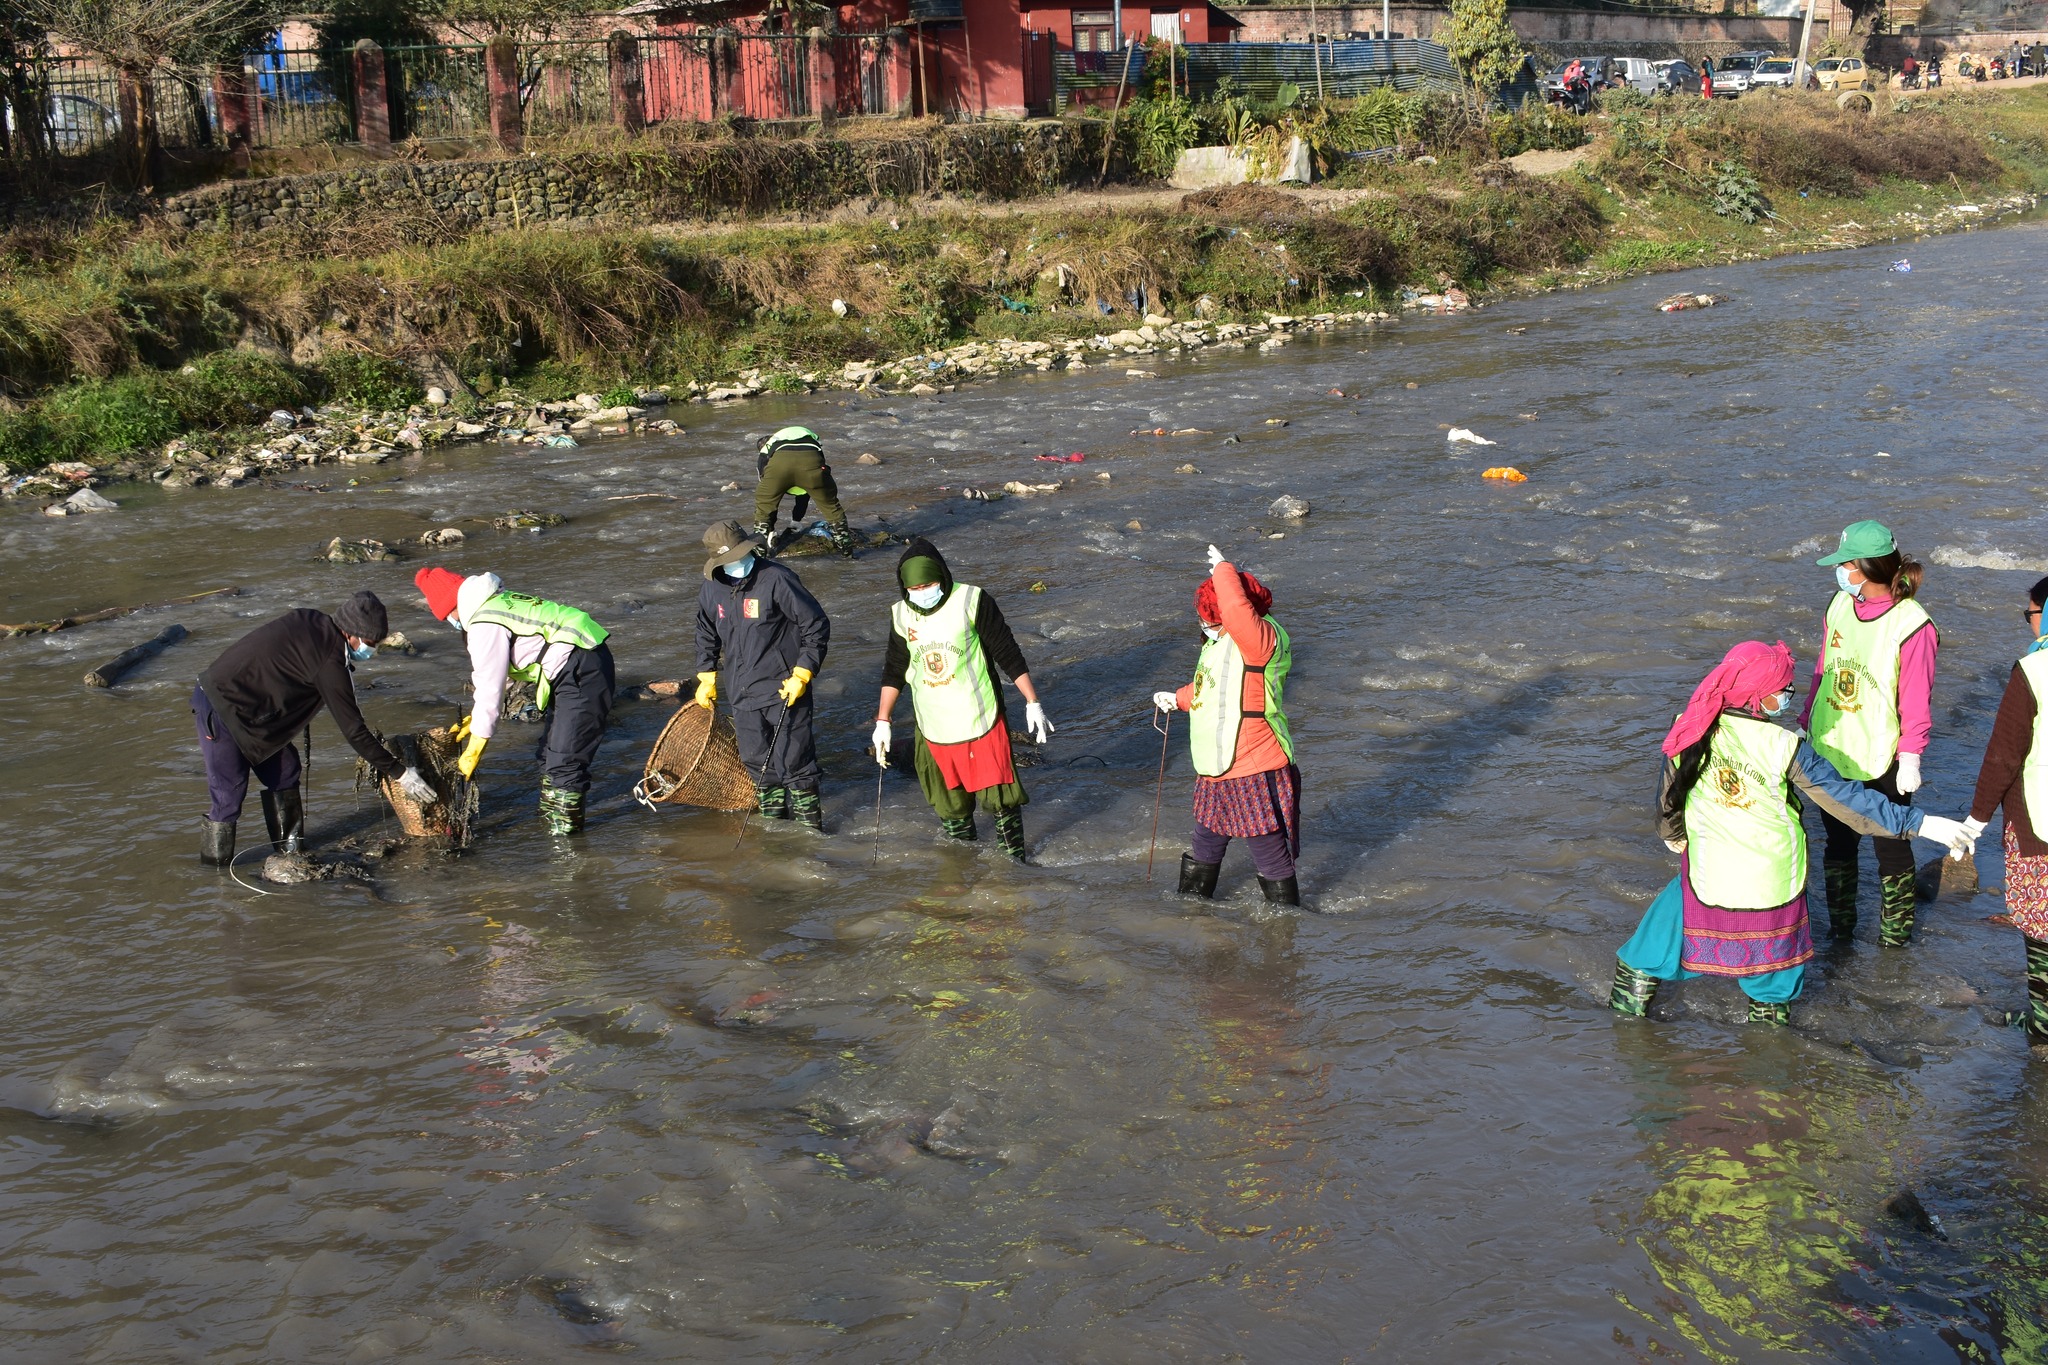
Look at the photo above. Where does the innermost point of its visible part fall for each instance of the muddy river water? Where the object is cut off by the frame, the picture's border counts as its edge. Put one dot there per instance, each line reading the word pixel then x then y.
pixel 788 1102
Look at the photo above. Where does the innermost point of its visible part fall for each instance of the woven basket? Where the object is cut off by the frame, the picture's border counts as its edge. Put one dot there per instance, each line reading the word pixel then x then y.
pixel 696 762
pixel 434 753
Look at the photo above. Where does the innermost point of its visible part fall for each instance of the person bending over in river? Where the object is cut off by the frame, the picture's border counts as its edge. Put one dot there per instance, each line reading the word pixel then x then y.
pixel 2014 775
pixel 1246 783
pixel 793 461
pixel 260 693
pixel 1870 714
pixel 946 642
pixel 558 649
pixel 757 622
pixel 1730 811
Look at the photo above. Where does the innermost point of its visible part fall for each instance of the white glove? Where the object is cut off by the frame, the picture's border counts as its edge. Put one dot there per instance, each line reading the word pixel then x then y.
pixel 1909 773
pixel 417 788
pixel 1036 723
pixel 878 743
pixel 1215 556
pixel 1675 845
pixel 1940 829
pixel 1974 828
pixel 1166 701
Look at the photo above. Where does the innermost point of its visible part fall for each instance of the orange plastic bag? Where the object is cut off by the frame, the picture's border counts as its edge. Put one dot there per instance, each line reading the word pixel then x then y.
pixel 1506 473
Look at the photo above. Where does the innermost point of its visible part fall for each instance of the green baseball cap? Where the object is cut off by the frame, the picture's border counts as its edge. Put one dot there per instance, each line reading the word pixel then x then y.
pixel 1861 540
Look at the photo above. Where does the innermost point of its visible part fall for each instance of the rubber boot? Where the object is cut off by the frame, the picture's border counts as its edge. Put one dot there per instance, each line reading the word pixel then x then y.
pixel 961 829
pixel 1840 879
pixel 807 810
pixel 764 531
pixel 217 843
pixel 1010 834
pixel 1198 879
pixel 1633 991
pixel 1896 893
pixel 562 810
pixel 284 816
pixel 773 802
pixel 2037 992
pixel 1285 891
pixel 1777 1014
pixel 842 539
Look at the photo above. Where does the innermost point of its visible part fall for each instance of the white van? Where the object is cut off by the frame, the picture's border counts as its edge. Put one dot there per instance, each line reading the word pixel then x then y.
pixel 1639 72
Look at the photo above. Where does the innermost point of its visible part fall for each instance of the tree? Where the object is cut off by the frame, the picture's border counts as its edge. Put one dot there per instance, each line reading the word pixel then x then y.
pixel 138 37
pixel 1483 44
pixel 480 20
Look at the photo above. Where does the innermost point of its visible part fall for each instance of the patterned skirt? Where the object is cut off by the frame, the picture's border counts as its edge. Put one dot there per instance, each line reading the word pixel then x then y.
pixel 1742 942
pixel 2026 888
pixel 1246 807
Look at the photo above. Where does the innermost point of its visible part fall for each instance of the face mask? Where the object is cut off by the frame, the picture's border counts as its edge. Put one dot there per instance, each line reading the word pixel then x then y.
pixel 1213 632
pixel 1842 580
pixel 1784 702
pixel 927 597
pixel 453 623
pixel 361 652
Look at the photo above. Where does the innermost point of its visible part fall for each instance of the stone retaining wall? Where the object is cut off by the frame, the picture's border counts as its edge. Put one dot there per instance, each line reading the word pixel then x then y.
pixel 506 193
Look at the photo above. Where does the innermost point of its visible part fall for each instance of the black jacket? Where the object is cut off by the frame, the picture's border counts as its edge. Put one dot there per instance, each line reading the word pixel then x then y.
pixel 996 640
pixel 756 629
pixel 271 682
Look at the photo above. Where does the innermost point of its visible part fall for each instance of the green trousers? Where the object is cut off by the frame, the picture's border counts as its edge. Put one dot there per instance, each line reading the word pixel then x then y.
pixel 950 803
pixel 791 469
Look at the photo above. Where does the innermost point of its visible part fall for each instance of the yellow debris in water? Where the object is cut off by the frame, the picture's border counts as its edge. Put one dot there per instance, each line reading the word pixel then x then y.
pixel 1506 473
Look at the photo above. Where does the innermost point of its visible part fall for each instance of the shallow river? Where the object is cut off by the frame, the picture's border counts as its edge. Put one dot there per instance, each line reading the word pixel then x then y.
pixel 786 1102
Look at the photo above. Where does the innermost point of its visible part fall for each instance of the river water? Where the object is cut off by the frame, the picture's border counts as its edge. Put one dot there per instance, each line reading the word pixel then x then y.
pixel 789 1102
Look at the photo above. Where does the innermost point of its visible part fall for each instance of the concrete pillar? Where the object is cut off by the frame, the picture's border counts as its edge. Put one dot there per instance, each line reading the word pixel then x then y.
pixel 231 98
pixel 629 86
pixel 501 74
pixel 824 78
pixel 373 96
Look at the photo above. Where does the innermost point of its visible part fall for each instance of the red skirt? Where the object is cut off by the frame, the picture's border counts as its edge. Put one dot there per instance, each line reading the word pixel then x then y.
pixel 979 763
pixel 1258 803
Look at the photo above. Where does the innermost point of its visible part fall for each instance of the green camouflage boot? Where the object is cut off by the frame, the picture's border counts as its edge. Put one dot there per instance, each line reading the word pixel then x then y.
pixel 562 810
pixel 961 829
pixel 1841 884
pixel 1778 1015
pixel 842 539
pixel 773 802
pixel 764 531
pixel 1633 991
pixel 1010 834
pixel 2037 992
pixel 1896 906
pixel 807 810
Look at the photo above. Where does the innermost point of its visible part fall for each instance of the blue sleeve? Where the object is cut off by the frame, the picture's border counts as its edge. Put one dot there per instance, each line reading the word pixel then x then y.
pixel 1862 809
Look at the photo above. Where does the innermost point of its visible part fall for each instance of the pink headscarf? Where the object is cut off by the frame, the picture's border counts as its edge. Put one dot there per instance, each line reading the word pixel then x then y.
pixel 1752 671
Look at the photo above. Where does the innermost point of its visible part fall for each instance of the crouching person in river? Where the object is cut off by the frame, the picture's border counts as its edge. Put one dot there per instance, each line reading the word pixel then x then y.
pixel 558 649
pixel 256 698
pixel 1246 783
pixel 1729 808
pixel 945 643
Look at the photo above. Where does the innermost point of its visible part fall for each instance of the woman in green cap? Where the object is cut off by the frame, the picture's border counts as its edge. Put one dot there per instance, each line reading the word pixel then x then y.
pixel 1870 713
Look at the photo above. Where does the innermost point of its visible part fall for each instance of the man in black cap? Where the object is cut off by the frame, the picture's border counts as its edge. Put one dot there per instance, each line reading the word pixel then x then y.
pixel 757 623
pixel 261 692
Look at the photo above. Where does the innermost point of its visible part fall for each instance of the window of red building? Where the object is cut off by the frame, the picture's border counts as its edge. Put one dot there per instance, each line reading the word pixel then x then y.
pixel 1094 30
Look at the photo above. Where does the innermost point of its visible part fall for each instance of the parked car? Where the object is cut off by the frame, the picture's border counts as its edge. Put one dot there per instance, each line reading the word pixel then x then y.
pixel 1773 71
pixel 1677 78
pixel 1639 72
pixel 1600 71
pixel 1844 73
pixel 1732 73
pixel 77 124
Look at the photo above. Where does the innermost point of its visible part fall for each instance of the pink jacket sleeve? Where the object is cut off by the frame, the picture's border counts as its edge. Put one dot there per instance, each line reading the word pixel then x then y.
pixel 1916 689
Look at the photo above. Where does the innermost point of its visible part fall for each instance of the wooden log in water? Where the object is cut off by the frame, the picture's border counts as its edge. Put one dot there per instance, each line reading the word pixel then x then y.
pixel 109 673
pixel 108 613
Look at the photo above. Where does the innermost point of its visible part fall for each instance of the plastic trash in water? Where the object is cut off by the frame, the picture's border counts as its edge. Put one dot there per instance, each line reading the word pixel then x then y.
pixel 560 442
pixel 283 419
pixel 1456 434
pixel 1076 458
pixel 1901 267
pixel 1506 473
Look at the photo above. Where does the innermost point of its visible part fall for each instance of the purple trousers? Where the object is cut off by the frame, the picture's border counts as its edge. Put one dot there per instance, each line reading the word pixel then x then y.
pixel 1270 853
pixel 227 772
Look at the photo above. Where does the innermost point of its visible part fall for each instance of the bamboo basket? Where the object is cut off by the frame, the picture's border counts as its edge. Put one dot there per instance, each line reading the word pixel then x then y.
pixel 696 762
pixel 434 753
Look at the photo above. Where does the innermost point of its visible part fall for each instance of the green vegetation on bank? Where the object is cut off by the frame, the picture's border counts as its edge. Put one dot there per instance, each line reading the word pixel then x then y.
pixel 116 338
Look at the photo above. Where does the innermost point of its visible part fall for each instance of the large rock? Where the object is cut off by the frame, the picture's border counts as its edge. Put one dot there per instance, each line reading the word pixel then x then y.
pixel 1205 168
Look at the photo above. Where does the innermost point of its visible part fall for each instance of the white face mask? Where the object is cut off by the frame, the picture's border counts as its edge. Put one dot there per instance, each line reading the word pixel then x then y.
pixel 359 653
pixel 1213 632
pixel 927 597
pixel 738 569
pixel 1842 580
pixel 1784 703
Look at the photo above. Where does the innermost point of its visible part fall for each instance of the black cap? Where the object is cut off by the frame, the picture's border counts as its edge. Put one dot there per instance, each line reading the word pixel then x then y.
pixel 364 617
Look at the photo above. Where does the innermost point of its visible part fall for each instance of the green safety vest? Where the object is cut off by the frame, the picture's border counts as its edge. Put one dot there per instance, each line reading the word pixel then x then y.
pixel 952 692
pixel 2034 772
pixel 1216 709
pixel 1855 718
pixel 1745 849
pixel 553 622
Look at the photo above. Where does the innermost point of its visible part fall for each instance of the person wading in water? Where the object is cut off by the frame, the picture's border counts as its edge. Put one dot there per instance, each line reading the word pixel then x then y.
pixel 1870 714
pixel 793 461
pixel 1247 785
pixel 946 642
pixel 1730 811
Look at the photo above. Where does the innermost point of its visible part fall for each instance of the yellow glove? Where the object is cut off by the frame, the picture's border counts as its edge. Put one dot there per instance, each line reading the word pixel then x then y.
pixel 707 690
pixel 471 756
pixel 461 730
pixel 793 686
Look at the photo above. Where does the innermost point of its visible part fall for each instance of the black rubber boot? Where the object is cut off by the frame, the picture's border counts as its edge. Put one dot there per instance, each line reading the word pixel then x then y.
pixel 561 810
pixel 961 829
pixel 1286 891
pixel 764 531
pixel 1840 879
pixel 842 539
pixel 1633 991
pixel 1010 834
pixel 1897 907
pixel 2037 992
pixel 807 810
pixel 284 816
pixel 1198 879
pixel 217 843
pixel 1778 1015
pixel 773 802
